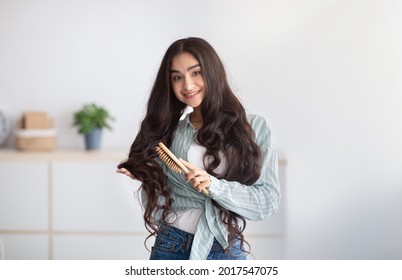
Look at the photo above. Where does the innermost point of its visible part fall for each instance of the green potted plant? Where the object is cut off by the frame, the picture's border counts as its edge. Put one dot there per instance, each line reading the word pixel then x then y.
pixel 90 120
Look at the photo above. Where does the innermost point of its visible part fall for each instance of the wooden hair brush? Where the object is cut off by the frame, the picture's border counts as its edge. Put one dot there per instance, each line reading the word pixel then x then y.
pixel 172 161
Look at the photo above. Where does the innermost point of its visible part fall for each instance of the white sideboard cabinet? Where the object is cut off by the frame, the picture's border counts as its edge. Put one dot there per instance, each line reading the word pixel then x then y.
pixel 73 205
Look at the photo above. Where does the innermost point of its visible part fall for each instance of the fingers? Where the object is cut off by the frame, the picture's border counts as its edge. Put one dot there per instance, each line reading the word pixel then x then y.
pixel 200 178
pixel 203 187
pixel 125 172
pixel 197 176
pixel 187 164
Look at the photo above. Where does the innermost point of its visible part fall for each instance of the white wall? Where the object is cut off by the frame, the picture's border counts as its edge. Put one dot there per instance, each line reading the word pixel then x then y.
pixel 326 74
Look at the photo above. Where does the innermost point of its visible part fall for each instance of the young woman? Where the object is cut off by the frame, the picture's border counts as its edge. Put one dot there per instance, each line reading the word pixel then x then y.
pixel 229 153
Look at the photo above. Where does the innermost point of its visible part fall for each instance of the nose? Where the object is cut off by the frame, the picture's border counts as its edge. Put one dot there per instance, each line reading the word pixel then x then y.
pixel 188 83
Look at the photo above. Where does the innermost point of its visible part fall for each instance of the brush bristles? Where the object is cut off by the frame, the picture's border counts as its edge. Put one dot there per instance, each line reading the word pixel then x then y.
pixel 167 160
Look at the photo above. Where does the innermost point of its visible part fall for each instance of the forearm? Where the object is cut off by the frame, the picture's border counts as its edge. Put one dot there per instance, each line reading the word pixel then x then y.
pixel 252 202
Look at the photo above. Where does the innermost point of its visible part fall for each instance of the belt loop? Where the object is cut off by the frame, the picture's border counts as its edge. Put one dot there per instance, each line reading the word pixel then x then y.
pixel 189 241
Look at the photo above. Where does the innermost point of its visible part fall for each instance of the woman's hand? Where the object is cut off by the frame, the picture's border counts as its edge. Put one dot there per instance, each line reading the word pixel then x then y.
pixel 125 172
pixel 199 177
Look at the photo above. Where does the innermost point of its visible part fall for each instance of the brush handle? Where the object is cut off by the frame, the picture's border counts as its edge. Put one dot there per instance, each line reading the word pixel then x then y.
pixel 178 162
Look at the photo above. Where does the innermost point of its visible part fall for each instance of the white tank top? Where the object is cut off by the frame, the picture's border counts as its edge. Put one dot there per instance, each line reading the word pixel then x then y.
pixel 188 220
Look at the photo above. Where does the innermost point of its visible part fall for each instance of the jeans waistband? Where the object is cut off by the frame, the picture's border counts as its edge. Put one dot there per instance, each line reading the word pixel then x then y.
pixel 187 237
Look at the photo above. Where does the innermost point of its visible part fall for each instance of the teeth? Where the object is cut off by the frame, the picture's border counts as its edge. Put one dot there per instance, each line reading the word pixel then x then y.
pixel 191 94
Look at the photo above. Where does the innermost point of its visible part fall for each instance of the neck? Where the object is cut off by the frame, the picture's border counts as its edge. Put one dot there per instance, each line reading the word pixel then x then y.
pixel 196 118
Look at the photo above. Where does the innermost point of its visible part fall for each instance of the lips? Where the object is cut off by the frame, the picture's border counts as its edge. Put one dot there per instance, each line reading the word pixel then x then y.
pixel 190 94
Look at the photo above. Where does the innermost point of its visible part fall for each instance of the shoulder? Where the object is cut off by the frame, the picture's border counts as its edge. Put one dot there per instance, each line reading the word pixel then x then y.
pixel 262 129
pixel 258 123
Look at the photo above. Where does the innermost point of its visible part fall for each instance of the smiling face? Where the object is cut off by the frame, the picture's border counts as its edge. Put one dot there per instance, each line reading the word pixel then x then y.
pixel 187 79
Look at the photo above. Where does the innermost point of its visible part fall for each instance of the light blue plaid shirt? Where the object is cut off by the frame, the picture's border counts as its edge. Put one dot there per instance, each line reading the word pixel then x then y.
pixel 253 202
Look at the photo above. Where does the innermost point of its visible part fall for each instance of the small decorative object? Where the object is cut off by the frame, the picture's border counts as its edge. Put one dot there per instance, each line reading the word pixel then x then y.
pixel 37 132
pixel 90 120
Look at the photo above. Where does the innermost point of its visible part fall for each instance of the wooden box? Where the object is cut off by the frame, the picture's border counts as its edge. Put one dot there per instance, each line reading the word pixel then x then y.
pixel 36 120
pixel 36 139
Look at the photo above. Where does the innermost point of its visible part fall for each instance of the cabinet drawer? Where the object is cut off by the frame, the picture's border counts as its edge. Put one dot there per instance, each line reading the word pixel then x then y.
pixel 91 196
pixel 24 195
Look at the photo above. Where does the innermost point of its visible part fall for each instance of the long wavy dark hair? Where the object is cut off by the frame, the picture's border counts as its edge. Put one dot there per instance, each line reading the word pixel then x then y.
pixel 225 131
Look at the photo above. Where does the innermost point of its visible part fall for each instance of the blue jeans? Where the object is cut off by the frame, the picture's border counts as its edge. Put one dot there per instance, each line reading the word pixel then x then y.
pixel 174 244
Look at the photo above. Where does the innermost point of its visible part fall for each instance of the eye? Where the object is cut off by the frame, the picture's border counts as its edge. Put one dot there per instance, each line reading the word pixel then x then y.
pixel 196 73
pixel 176 78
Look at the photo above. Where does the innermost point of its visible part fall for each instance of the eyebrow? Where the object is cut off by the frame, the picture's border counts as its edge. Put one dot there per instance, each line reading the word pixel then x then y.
pixel 188 69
